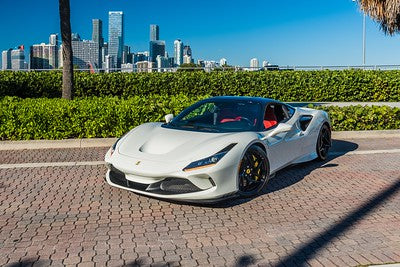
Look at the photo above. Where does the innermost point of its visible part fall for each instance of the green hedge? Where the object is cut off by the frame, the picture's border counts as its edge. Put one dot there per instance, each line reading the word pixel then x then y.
pixel 354 118
pixel 111 116
pixel 348 85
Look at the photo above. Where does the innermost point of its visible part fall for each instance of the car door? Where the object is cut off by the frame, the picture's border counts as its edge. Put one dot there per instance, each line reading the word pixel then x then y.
pixel 285 143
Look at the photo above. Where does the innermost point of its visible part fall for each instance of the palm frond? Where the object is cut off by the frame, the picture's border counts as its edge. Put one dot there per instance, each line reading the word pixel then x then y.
pixel 385 12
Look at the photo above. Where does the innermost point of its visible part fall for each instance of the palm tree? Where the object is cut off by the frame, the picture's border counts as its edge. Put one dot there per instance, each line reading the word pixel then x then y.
pixel 68 72
pixel 385 12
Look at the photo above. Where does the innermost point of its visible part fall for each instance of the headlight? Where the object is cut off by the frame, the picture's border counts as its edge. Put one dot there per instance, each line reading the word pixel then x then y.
pixel 208 162
pixel 114 146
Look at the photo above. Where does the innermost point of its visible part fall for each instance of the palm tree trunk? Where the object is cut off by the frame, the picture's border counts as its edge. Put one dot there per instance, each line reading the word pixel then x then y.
pixel 68 72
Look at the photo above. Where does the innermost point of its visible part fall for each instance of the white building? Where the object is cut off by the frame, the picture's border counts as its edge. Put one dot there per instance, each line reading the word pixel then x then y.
pixel 18 58
pixel 162 63
pixel 144 66
pixel 127 67
pixel 109 63
pixel 178 52
pixel 44 56
pixel 223 62
pixel 187 59
pixel 254 64
pixel 6 59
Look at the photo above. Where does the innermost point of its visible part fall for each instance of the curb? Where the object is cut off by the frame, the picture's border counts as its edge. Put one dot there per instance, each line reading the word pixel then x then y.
pixel 107 142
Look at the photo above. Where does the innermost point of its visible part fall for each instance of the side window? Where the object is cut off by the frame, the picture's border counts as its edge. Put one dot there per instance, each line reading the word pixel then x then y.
pixel 289 111
pixel 270 119
pixel 276 113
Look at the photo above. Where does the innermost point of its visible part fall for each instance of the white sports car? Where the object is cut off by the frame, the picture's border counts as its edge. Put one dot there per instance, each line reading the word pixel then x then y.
pixel 217 148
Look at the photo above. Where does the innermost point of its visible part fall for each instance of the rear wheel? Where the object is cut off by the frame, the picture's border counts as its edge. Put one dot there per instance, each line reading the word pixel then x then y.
pixel 323 142
pixel 253 171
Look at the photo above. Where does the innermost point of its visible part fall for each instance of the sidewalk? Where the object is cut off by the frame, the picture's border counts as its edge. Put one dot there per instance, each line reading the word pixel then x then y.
pixel 107 142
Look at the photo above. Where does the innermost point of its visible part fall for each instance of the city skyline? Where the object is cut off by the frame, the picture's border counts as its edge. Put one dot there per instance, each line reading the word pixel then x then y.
pixel 314 33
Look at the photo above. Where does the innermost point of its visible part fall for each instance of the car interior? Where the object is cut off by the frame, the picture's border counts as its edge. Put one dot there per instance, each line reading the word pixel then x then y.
pixel 274 114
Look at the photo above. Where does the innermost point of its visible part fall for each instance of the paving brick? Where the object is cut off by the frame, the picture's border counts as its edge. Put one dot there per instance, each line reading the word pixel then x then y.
pixel 69 216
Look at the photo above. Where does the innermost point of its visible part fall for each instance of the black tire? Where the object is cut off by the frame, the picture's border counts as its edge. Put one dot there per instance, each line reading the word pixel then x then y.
pixel 324 142
pixel 253 171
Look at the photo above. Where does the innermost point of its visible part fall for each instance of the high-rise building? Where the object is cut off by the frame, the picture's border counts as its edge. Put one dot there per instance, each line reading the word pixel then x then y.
pixel 108 63
pixel 44 56
pixel 157 48
pixel 104 53
pixel 97 31
pixel 97 37
pixel 187 51
pixel 162 63
pixel 187 59
pixel 18 58
pixel 85 54
pixel 254 64
pixel 140 56
pixel 178 52
pixel 223 62
pixel 125 54
pixel 154 32
pixel 53 39
pixel 116 36
pixel 6 59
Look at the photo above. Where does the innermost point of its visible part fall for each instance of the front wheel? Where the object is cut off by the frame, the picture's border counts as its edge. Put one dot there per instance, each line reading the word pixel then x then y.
pixel 253 171
pixel 323 142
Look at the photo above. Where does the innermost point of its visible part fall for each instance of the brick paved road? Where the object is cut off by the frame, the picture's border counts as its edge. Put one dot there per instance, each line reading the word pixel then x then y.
pixel 344 212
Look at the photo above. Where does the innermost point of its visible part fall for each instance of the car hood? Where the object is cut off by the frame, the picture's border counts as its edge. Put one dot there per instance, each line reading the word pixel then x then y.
pixel 153 142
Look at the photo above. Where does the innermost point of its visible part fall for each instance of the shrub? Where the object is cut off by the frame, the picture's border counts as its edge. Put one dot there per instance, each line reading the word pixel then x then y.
pixel 348 85
pixel 42 118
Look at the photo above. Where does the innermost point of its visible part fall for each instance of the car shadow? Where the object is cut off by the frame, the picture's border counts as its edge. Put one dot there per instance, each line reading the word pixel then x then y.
pixel 293 174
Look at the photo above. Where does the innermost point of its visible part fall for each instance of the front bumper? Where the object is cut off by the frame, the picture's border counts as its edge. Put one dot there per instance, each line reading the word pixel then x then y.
pixel 172 188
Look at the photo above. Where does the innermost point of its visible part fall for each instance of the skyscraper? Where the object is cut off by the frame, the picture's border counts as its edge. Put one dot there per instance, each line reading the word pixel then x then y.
pixel 97 37
pixel 85 54
pixel 187 51
pixel 6 59
pixel 18 58
pixel 157 48
pixel 178 52
pixel 154 32
pixel 97 32
pixel 43 56
pixel 115 36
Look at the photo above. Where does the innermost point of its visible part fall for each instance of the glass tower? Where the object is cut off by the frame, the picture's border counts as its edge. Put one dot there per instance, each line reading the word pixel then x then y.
pixel 157 48
pixel 115 36
pixel 154 32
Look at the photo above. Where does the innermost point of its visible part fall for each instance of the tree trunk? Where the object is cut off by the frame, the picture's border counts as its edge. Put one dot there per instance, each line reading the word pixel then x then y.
pixel 68 71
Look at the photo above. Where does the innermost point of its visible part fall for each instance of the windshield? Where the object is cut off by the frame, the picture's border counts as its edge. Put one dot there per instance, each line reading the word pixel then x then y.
pixel 218 116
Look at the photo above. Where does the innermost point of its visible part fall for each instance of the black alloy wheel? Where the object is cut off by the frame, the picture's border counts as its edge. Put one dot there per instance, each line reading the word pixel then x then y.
pixel 253 171
pixel 324 142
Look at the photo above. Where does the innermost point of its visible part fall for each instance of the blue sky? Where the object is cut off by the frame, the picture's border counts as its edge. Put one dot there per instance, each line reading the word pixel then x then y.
pixel 311 32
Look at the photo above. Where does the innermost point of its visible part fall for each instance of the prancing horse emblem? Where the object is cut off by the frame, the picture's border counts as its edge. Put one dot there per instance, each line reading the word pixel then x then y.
pixel 137 163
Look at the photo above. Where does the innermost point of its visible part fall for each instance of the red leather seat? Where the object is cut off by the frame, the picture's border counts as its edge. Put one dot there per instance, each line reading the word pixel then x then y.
pixel 228 115
pixel 269 118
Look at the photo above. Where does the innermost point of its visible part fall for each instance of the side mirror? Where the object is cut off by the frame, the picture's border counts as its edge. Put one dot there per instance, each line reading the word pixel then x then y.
pixel 281 128
pixel 168 118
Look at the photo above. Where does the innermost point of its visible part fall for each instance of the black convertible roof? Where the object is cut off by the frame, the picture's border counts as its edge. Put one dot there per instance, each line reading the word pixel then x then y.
pixel 242 98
